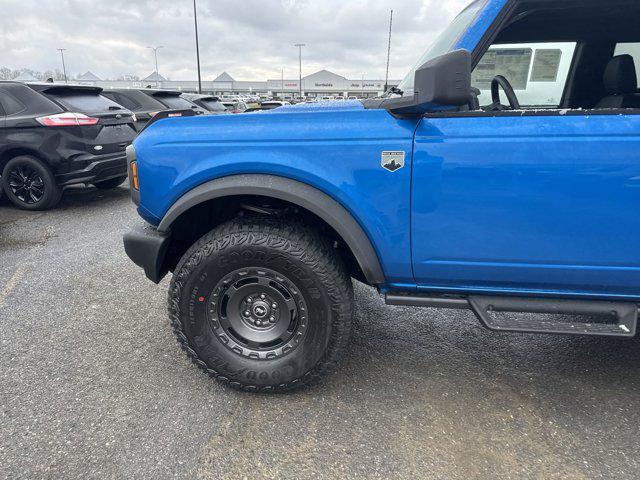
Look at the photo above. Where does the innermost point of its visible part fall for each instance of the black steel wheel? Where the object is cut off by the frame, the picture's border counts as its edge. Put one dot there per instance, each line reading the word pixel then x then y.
pixel 258 313
pixel 262 304
pixel 29 184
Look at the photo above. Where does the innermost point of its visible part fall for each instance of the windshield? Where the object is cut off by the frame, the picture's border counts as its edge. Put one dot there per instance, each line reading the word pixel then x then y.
pixel 444 43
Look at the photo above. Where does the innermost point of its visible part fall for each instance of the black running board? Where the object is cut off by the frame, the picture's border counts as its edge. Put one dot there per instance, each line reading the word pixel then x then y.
pixel 621 318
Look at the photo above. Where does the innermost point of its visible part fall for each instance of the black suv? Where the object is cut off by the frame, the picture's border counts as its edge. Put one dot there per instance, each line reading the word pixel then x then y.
pixel 144 106
pixel 173 100
pixel 208 102
pixel 54 135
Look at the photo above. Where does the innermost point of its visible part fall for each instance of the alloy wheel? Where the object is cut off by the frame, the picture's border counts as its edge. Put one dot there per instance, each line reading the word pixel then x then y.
pixel 26 184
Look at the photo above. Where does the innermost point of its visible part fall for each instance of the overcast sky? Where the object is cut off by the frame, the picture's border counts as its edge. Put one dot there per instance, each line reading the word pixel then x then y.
pixel 250 39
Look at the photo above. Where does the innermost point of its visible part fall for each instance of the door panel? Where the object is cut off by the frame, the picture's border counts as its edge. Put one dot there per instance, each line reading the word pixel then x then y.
pixel 528 204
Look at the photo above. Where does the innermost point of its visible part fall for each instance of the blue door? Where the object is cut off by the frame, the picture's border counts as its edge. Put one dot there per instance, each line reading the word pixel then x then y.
pixel 528 204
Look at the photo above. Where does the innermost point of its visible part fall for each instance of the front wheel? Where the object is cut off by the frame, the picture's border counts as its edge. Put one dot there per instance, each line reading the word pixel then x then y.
pixel 262 304
pixel 110 184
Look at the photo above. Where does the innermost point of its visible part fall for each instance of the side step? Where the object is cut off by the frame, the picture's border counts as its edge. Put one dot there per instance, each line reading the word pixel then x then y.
pixel 613 319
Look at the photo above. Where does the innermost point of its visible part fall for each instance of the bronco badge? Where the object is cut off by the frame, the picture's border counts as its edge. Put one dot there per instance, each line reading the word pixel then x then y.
pixel 392 161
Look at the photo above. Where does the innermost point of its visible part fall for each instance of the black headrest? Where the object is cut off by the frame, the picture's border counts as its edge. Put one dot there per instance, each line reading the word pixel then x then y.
pixel 620 76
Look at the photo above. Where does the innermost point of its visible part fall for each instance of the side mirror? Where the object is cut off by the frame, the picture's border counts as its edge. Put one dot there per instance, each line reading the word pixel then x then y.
pixel 442 83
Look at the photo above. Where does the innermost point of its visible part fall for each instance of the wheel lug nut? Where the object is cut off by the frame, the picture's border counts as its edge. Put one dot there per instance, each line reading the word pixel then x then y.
pixel 249 299
pixel 247 313
pixel 272 319
pixel 258 323
pixel 274 305
pixel 263 296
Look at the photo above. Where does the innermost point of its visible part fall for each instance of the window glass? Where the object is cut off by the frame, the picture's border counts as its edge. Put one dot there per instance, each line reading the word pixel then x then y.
pixel 444 43
pixel 85 102
pixel 632 49
pixel 512 63
pixel 126 101
pixel 176 102
pixel 546 65
pixel 537 72
pixel 10 104
pixel 214 105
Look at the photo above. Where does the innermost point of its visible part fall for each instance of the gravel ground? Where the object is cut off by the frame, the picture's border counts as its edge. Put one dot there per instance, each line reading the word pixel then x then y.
pixel 93 385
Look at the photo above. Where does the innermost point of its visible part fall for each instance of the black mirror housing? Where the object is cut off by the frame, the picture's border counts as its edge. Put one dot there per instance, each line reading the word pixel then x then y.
pixel 442 83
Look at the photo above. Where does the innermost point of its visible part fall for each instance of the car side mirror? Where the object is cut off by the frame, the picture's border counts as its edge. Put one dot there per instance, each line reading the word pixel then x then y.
pixel 442 83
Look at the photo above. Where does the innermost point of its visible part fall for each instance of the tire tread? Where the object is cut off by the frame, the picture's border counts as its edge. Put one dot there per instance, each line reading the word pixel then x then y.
pixel 290 237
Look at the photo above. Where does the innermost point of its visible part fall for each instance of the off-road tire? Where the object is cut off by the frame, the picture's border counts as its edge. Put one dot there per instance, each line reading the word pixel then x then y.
pixel 291 250
pixel 111 183
pixel 52 192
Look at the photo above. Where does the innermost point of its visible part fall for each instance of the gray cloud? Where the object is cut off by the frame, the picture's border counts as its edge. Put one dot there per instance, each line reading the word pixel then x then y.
pixel 251 39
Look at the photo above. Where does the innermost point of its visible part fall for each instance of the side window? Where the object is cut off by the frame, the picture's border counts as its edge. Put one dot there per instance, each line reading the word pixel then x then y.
pixel 537 72
pixel 632 49
pixel 125 101
pixel 10 104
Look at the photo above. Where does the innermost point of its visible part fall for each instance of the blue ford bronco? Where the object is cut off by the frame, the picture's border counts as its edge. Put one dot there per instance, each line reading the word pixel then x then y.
pixel 501 176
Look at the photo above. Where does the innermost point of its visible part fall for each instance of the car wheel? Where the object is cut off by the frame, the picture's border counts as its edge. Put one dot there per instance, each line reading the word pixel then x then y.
pixel 110 184
pixel 262 305
pixel 29 184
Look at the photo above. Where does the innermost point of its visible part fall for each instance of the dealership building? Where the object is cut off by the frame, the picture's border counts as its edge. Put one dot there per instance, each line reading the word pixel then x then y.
pixel 320 84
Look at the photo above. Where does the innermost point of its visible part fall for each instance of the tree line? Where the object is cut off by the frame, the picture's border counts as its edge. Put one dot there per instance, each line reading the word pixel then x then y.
pixel 57 75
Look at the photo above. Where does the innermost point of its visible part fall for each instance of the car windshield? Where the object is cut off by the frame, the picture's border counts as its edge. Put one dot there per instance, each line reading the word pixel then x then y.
pixel 444 43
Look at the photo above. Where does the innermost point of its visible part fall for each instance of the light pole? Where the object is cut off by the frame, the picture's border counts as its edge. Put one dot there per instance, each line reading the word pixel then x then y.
pixel 155 53
pixel 362 86
pixel 300 45
pixel 195 19
pixel 282 86
pixel 64 67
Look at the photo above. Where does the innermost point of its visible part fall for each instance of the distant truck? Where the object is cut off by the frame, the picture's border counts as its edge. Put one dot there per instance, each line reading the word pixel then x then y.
pixel 501 176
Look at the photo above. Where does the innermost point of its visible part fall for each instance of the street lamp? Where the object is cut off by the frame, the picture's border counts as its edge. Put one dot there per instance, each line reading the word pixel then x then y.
pixel 155 53
pixel 64 68
pixel 300 45
pixel 195 19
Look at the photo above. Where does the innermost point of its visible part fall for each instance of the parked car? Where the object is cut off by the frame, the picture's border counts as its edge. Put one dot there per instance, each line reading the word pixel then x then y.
pixel 427 194
pixel 173 100
pixel 273 104
pixel 209 102
pixel 144 106
pixel 55 135
pixel 235 106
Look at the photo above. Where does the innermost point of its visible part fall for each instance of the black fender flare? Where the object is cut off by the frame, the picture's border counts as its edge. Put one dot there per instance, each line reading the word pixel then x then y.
pixel 295 192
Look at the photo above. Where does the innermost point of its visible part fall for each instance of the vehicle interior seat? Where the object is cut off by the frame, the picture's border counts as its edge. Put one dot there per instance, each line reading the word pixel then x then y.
pixel 621 84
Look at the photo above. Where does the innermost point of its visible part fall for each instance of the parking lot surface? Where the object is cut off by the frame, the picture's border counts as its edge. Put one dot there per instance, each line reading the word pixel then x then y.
pixel 93 385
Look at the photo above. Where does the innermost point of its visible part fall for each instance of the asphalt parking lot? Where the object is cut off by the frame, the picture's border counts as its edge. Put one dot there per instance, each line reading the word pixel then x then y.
pixel 93 385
